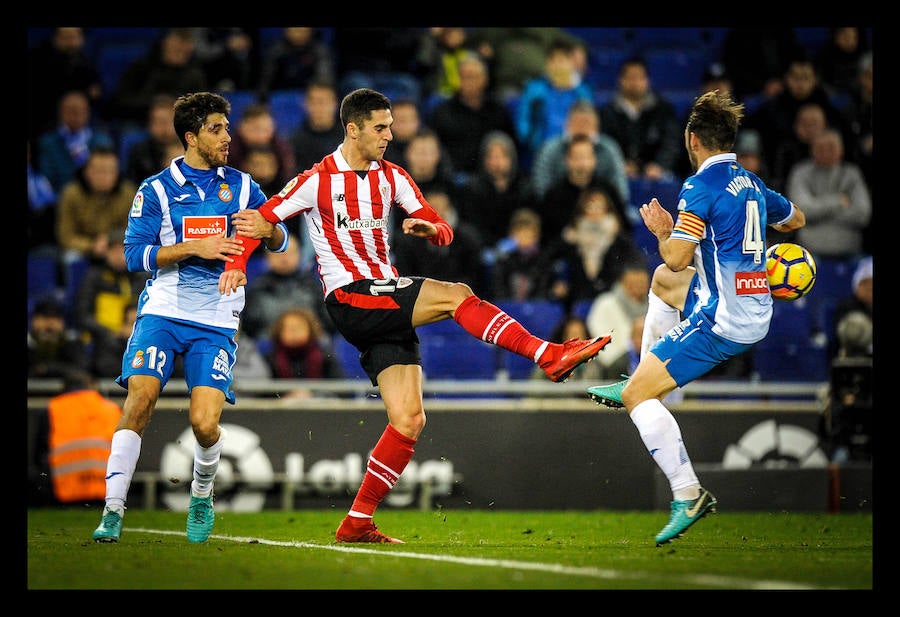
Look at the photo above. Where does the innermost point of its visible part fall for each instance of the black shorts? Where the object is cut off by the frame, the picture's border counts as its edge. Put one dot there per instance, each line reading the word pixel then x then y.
pixel 375 316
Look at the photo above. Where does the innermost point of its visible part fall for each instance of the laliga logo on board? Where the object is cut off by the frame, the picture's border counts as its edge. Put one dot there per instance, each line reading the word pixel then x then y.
pixel 769 445
pixel 245 474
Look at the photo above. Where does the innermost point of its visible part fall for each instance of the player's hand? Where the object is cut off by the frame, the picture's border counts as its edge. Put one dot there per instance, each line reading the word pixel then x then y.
pixel 217 247
pixel 250 223
pixel 657 219
pixel 419 227
pixel 230 280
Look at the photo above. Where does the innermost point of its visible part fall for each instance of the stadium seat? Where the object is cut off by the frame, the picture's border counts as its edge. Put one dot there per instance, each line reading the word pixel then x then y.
pixel 774 361
pixel 240 100
pixel 288 110
pixel 127 138
pixel 348 358
pixel 256 265
pixel 114 58
pixel 43 277
pixel 458 356
pixel 682 99
pixel 676 68
pixel 603 67
pixel 603 37
pixel 540 317
pixel 653 38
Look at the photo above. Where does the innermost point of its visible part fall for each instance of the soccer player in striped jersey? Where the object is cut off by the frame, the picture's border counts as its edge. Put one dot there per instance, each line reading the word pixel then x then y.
pixel 179 229
pixel 347 200
pixel 723 212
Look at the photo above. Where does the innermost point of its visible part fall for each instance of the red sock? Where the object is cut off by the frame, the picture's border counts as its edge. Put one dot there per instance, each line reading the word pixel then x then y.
pixel 487 322
pixel 387 461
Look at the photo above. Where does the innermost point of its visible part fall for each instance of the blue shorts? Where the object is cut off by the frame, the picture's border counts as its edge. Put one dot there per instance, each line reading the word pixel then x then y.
pixel 208 353
pixel 694 349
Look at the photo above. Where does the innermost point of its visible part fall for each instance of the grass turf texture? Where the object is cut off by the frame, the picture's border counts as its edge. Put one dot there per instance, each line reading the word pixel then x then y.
pixel 453 550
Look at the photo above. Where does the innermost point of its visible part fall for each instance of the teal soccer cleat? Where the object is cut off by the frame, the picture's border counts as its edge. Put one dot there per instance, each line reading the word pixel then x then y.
pixel 609 395
pixel 110 527
pixel 686 513
pixel 201 517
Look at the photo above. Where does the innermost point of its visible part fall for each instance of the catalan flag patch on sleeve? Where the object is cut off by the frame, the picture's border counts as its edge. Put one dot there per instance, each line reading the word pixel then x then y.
pixel 690 224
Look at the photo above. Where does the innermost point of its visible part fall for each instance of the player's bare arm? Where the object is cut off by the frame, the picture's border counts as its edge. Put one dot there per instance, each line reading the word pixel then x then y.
pixel 678 254
pixel 797 220
pixel 419 227
pixel 212 247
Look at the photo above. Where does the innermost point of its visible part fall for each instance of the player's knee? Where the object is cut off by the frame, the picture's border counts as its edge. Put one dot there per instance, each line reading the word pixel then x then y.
pixel 206 431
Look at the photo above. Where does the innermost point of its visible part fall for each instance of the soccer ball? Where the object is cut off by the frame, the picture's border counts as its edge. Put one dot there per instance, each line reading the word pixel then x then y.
pixel 791 271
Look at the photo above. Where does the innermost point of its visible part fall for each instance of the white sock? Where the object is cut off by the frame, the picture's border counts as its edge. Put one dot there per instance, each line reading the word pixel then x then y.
pixel 206 463
pixel 660 318
pixel 123 457
pixel 662 437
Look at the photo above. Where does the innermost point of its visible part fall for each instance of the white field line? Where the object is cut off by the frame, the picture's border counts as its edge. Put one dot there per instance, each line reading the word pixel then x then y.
pixel 725 582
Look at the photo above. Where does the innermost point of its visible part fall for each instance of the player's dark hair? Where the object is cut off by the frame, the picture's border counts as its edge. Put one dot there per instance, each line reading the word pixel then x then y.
pixel 715 119
pixel 191 111
pixel 357 107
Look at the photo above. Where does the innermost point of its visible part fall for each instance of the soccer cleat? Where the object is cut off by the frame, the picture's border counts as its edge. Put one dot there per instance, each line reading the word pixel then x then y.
pixel 684 514
pixel 563 358
pixel 367 532
pixel 110 527
pixel 609 395
pixel 200 519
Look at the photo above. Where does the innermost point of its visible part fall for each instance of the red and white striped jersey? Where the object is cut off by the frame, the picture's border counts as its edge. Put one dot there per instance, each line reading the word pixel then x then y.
pixel 348 216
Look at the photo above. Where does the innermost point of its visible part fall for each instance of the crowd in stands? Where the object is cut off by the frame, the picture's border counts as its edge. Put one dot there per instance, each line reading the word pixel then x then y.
pixel 537 144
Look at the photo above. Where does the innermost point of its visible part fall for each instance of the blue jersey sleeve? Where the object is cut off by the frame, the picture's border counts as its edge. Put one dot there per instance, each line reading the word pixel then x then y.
pixel 142 233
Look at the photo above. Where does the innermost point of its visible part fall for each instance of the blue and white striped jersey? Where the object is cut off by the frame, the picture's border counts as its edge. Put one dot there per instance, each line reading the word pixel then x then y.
pixel 725 209
pixel 181 204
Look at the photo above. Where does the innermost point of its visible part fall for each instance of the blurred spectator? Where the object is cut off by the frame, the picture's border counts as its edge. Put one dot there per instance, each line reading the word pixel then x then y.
pixel 108 347
pixel 393 70
pixel 462 121
pixel 854 317
pixel 545 101
pixel 775 118
pixel 58 65
pixel 616 311
pixel 53 347
pixel 91 205
pixel 558 206
pixel 748 149
pixel 459 261
pixel 169 67
pixel 229 57
pixel 321 132
pixel 106 289
pixel 440 52
pixel 62 151
pixel 757 58
pixel 837 62
pixel 848 420
pixel 73 441
pixel 283 285
pixel 497 190
pixel 515 55
pixel 594 248
pixel 521 267
pixel 297 59
pixel 424 157
pixel 257 128
pixel 250 363
pixel 301 349
pixel 792 149
pixel 835 198
pixel 858 114
pixel 644 123
pixel 569 327
pixel 550 162
pixel 143 159
pixel 42 201
pixel 407 124
pixel 261 162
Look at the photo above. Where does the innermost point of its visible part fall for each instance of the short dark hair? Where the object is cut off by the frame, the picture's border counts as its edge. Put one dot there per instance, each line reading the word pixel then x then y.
pixel 357 106
pixel 191 111
pixel 715 118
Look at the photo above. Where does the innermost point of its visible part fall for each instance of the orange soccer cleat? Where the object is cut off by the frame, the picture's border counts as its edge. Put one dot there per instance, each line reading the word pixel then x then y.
pixel 350 531
pixel 560 359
